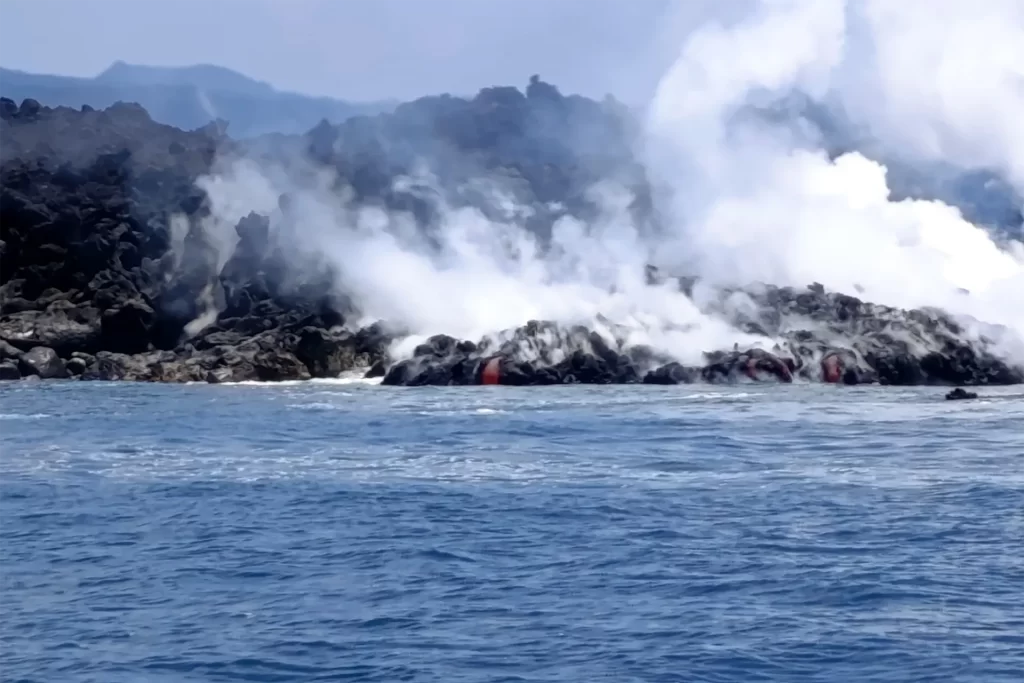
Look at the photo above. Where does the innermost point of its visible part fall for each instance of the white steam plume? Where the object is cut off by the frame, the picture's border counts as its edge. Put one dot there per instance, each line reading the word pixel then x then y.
pixel 939 79
pixel 482 275
pixel 749 203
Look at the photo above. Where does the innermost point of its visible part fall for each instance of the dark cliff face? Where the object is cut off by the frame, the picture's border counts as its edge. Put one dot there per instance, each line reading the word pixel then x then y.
pixel 108 269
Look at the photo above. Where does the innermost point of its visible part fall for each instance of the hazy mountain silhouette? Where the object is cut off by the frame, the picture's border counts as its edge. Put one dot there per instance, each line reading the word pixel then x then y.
pixel 188 97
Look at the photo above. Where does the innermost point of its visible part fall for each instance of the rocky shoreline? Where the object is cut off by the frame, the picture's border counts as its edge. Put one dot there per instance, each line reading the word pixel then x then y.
pixel 63 342
pixel 811 336
pixel 98 283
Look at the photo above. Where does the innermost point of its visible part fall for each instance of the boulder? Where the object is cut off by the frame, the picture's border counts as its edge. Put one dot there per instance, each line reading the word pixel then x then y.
pixel 9 352
pixel 378 369
pixel 277 365
pixel 127 328
pixel 220 375
pixel 960 394
pixel 673 373
pixel 755 365
pixel 325 354
pixel 9 370
pixel 179 370
pixel 112 367
pixel 30 108
pixel 63 329
pixel 42 362
pixel 76 366
pixel 8 108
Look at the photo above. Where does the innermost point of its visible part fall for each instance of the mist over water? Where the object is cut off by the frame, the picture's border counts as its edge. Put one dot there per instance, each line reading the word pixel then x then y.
pixel 748 200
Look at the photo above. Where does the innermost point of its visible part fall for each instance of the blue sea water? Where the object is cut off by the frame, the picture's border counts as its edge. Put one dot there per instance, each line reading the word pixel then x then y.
pixel 343 532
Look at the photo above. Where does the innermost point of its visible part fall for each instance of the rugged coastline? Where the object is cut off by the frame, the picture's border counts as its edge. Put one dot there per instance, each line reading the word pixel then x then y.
pixel 98 282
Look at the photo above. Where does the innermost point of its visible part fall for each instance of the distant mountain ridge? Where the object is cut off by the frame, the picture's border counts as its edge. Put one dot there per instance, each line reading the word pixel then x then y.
pixel 189 97
pixel 205 76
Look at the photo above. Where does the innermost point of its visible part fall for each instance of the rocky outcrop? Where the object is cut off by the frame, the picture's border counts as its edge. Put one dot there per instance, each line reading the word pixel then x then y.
pixel 109 269
pixel 107 259
pixel 839 339
pixel 960 394
pixel 97 283
pixel 43 363
pixel 855 347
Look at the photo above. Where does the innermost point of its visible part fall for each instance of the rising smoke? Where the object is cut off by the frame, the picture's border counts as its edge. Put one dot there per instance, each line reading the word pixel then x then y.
pixel 752 206
pixel 933 80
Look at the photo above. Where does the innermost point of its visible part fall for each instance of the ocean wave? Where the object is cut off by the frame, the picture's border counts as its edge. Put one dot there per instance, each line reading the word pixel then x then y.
pixel 345 379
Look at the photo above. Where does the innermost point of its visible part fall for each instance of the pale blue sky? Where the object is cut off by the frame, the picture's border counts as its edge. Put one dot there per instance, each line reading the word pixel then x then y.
pixel 358 49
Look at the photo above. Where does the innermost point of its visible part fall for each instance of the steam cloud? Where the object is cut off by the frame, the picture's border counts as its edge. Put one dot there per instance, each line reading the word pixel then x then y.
pixel 932 80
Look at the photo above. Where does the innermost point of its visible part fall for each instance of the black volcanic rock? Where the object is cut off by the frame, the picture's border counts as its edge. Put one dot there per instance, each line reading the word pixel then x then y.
pixel 9 371
pixel 960 394
pixel 111 268
pixel 880 344
pixel 546 353
pixel 673 373
pixel 64 329
pixel 128 327
pixel 541 353
pixel 88 264
pixel 541 149
pixel 42 362
pixel 326 354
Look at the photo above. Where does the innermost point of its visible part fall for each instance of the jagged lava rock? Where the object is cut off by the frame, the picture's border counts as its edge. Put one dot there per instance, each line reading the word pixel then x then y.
pixel 94 269
pixel 43 362
pixel 960 394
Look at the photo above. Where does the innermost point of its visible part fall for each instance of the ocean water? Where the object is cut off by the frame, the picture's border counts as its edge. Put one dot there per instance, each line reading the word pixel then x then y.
pixel 344 532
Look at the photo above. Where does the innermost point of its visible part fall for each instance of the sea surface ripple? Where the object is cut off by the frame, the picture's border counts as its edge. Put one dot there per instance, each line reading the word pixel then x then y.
pixel 344 532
